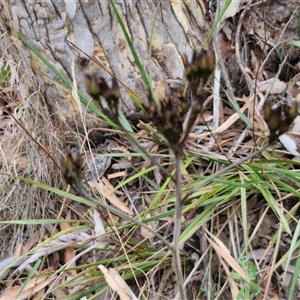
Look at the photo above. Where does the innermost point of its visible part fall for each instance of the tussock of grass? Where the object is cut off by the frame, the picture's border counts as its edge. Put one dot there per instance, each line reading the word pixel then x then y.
pixel 22 156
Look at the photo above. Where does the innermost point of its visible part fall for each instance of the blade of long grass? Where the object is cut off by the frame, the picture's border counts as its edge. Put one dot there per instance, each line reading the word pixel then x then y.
pixel 284 186
pixel 5 73
pixel 293 43
pixel 196 223
pixel 39 221
pixel 123 120
pixel 295 278
pixel 135 176
pixel 130 44
pixel 244 212
pixel 31 274
pixel 274 206
pixel 217 21
pixel 291 252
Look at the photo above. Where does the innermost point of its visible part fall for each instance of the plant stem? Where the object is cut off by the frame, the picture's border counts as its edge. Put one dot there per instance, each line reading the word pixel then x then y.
pixel 178 209
pixel 177 227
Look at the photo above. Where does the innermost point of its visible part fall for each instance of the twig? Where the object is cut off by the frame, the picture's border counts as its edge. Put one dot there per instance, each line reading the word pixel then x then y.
pixel 237 46
pixel 216 105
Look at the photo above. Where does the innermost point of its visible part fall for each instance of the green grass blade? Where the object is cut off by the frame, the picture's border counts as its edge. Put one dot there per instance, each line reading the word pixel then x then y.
pixel 5 73
pixel 130 44
pixel 293 43
pixel 123 120
pixel 221 14
pixel 295 278
pixel 29 277
pixel 197 222
pixel 275 207
pixel 292 249
pixel 244 213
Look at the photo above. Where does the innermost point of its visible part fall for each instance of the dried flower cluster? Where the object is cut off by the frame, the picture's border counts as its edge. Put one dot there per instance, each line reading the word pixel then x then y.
pixel 170 119
pixel 279 117
pixel 197 73
pixel 98 87
pixel 167 118
pixel 71 167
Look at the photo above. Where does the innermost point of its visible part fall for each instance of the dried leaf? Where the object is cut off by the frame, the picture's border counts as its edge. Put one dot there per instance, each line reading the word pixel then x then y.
pixel 233 286
pixel 107 190
pixel 146 233
pixel 116 175
pixel 231 120
pixel 277 86
pixel 97 166
pixel 223 251
pixel 259 122
pixel 291 141
pixel 35 285
pixel 99 227
pixel 34 238
pixel 117 283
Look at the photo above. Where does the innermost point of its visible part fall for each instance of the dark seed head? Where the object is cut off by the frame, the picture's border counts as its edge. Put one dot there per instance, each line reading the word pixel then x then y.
pixel 279 117
pixel 71 166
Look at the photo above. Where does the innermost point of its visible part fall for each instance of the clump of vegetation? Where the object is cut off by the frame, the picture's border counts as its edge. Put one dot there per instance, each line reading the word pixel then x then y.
pixel 169 120
pixel 182 220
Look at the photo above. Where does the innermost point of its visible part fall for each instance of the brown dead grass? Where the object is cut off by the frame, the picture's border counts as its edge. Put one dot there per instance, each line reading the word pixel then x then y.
pixel 28 141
